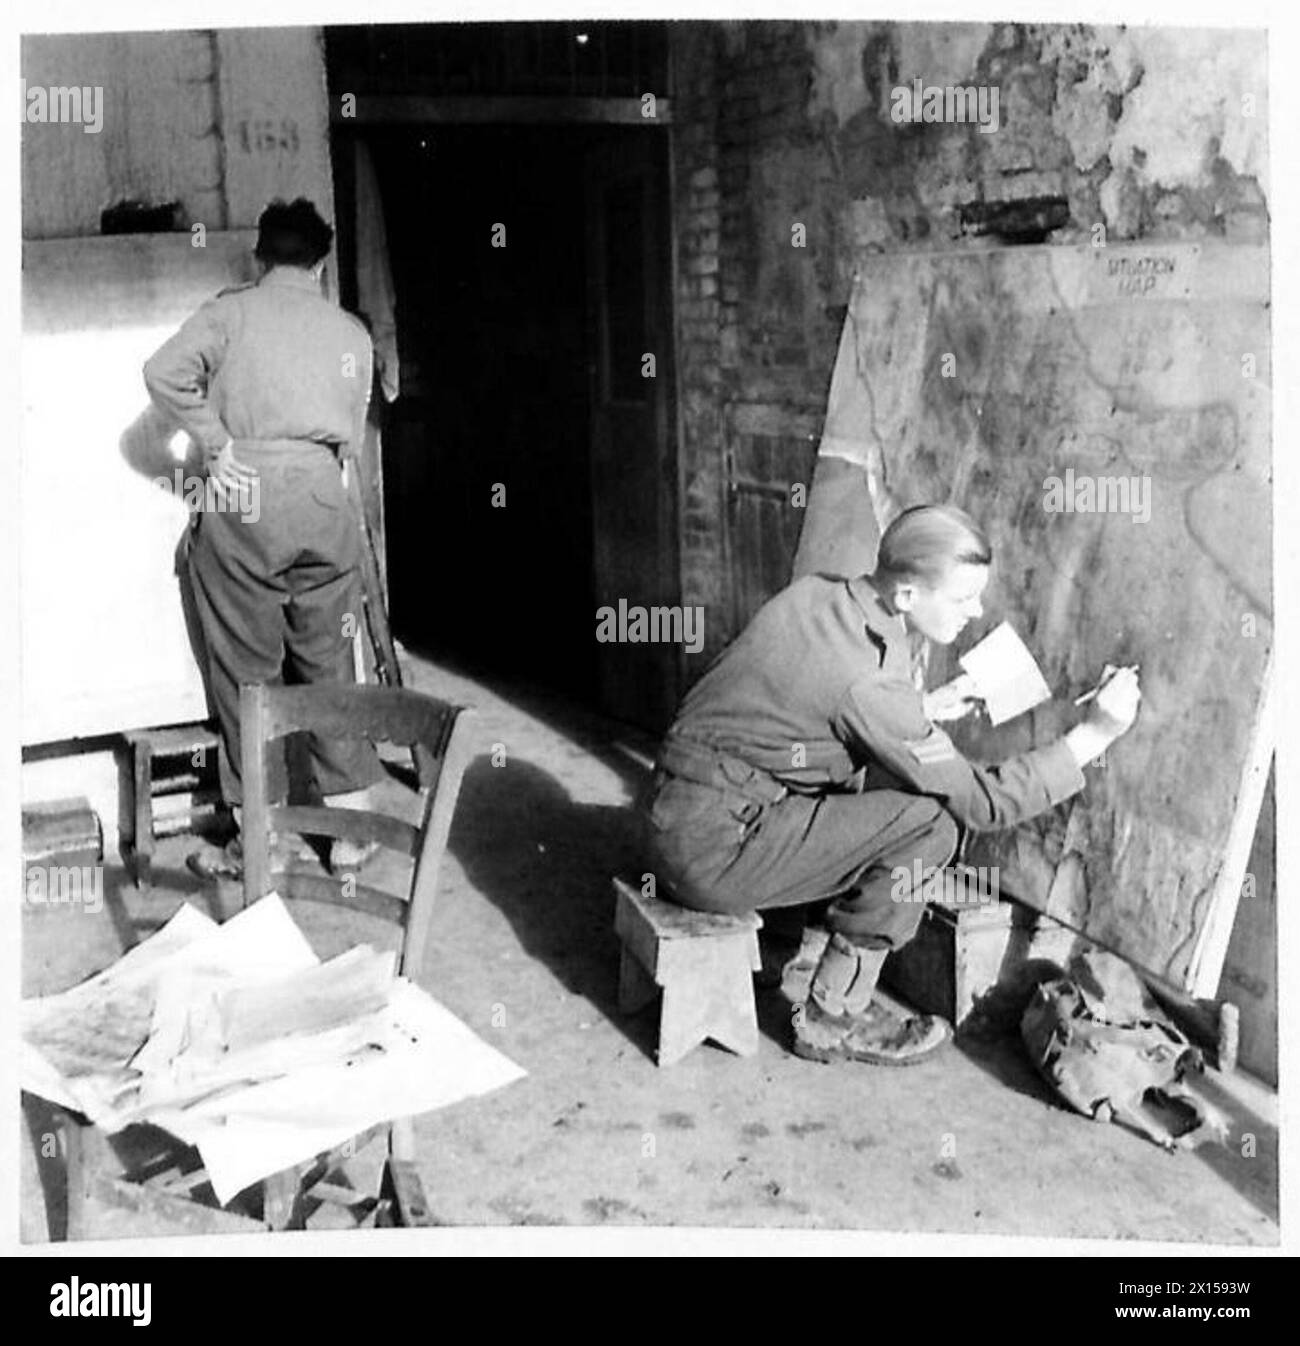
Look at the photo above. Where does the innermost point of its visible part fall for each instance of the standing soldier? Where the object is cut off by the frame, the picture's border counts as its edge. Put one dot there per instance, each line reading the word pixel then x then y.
pixel 807 764
pixel 272 382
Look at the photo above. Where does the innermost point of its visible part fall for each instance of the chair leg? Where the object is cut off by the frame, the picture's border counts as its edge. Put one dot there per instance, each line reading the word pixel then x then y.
pixel 280 1199
pixel 86 1153
pixel 402 1193
pixel 141 849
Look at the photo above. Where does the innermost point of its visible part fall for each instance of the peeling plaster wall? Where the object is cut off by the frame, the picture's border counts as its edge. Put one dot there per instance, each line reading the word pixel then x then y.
pixel 1155 134
pixel 219 121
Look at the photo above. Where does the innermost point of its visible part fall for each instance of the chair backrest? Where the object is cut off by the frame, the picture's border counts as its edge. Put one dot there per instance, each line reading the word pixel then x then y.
pixel 441 737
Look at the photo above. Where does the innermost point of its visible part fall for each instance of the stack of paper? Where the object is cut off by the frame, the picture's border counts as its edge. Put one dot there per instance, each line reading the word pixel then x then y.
pixel 236 1039
pixel 211 1033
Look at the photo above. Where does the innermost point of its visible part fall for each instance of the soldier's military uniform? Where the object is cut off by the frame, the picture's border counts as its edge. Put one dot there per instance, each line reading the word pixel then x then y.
pixel 802 767
pixel 286 374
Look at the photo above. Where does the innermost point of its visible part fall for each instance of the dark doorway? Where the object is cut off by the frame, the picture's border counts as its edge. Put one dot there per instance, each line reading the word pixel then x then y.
pixel 529 465
pixel 487 482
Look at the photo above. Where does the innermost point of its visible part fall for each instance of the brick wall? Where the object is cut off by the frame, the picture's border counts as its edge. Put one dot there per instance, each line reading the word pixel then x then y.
pixel 696 226
pixel 755 340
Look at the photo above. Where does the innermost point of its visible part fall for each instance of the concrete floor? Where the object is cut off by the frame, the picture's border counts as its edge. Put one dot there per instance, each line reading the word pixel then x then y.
pixel 524 952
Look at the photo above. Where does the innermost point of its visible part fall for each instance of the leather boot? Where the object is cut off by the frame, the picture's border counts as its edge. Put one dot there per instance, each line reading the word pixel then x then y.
pixel 841 1020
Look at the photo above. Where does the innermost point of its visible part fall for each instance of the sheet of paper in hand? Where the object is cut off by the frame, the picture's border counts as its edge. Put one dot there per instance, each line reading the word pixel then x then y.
pixel 1006 675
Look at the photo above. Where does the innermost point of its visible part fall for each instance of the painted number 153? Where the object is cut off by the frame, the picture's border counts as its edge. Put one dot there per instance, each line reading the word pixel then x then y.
pixel 266 135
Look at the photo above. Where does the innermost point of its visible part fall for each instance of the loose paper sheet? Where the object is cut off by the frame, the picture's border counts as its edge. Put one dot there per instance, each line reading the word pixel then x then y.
pixel 430 1058
pixel 434 1062
pixel 1005 674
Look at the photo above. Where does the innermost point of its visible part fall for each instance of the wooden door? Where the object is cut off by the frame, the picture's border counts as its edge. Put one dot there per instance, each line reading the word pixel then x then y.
pixel 769 462
pixel 633 452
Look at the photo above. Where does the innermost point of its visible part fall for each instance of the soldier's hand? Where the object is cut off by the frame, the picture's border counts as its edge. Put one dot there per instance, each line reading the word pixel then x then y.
pixel 1115 706
pixel 952 701
pixel 230 478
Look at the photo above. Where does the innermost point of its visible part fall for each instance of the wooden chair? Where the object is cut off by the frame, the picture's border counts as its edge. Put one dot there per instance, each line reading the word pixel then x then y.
pixel 440 736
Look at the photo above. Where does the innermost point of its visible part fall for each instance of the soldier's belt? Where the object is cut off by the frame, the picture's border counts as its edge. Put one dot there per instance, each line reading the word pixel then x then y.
pixel 703 764
pixel 283 450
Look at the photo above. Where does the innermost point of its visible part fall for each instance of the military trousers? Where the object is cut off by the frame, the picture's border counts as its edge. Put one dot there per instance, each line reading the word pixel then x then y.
pixel 719 850
pixel 277 593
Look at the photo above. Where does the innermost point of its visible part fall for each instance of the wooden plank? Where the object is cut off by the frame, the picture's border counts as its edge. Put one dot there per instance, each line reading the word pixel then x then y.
pixel 459 750
pixel 508 110
pixel 1249 977
pixel 669 921
pixel 380 714
pixel 303 885
pixel 349 824
pixel 121 1209
pixel 339 1195
pixel 254 752
pixel 179 740
pixel 1212 944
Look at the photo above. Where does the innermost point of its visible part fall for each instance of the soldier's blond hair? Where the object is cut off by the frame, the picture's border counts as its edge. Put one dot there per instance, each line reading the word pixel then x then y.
pixel 926 541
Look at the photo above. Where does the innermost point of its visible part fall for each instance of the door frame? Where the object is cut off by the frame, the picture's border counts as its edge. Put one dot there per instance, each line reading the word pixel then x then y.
pixel 564 115
pixel 659 272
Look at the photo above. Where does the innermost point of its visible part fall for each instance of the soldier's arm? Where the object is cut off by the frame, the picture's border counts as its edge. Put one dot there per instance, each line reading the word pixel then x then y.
pixel 884 717
pixel 179 372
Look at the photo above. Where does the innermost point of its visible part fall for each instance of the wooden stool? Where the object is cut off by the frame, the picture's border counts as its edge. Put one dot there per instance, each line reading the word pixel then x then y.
pixel 704 964
pixel 163 763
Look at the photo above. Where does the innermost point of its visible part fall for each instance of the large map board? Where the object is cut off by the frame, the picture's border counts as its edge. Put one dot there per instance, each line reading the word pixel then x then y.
pixel 979 376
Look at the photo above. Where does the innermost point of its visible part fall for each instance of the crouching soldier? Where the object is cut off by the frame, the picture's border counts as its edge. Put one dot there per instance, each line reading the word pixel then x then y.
pixel 807 765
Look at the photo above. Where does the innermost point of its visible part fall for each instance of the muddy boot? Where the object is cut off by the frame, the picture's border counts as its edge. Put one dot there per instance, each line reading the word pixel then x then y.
pixel 212 862
pixel 841 1020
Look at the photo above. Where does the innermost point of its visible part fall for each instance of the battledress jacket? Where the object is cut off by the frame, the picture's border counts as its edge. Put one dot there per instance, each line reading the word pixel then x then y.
pixel 818 692
pixel 274 361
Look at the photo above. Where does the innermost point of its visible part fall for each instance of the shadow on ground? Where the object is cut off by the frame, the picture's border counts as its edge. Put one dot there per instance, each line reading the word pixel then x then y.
pixel 546 863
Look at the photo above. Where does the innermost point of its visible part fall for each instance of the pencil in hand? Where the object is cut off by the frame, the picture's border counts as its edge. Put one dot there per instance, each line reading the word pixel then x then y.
pixel 1107 674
